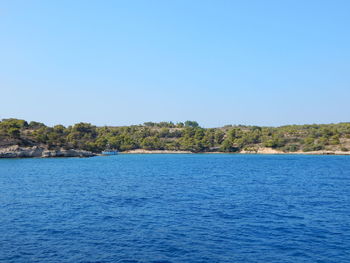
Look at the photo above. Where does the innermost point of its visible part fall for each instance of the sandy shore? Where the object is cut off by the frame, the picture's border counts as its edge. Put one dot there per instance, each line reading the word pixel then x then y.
pixel 142 151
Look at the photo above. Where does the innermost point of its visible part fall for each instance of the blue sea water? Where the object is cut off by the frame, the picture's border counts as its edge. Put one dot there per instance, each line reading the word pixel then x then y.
pixel 176 208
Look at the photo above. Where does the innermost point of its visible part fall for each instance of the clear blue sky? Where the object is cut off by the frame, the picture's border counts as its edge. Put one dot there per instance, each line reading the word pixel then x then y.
pixel 217 62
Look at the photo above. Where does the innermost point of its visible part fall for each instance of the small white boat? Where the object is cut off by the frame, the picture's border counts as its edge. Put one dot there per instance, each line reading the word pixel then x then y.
pixel 109 152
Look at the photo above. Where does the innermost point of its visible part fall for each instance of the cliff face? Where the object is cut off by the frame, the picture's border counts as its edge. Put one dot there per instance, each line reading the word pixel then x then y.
pixel 36 151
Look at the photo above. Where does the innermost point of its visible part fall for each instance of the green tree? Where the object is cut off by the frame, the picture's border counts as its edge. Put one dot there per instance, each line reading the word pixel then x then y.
pixel 192 124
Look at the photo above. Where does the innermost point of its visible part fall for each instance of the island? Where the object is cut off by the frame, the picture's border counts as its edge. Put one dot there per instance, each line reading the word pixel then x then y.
pixel 21 139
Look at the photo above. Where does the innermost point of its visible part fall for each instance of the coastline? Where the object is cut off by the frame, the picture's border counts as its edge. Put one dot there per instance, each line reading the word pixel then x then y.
pixel 143 151
pixel 16 151
pixel 41 152
pixel 264 152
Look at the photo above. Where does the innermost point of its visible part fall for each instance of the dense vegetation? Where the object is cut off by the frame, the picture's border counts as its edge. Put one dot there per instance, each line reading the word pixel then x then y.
pixel 187 136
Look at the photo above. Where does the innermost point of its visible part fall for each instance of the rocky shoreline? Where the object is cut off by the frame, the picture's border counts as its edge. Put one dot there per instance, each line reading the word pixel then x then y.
pixel 41 152
pixel 266 150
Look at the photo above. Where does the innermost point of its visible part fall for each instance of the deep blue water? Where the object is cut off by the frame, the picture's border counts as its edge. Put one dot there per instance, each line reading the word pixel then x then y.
pixel 176 208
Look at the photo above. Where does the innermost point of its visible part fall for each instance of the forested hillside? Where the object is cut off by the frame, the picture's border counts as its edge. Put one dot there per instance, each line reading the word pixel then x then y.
pixel 188 136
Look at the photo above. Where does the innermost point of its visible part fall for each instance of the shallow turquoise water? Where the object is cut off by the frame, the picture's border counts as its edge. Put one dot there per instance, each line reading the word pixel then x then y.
pixel 176 208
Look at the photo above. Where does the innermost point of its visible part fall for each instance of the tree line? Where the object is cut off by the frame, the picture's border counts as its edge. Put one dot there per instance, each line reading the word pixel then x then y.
pixel 188 136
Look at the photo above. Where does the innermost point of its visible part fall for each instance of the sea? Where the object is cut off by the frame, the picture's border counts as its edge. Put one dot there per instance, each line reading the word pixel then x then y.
pixel 169 208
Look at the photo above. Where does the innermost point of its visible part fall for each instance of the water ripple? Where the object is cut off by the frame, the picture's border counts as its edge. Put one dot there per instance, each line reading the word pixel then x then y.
pixel 176 208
